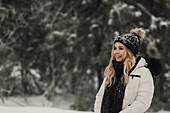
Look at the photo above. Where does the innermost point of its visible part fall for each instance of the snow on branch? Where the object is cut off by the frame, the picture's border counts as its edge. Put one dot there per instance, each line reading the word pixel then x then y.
pixel 154 19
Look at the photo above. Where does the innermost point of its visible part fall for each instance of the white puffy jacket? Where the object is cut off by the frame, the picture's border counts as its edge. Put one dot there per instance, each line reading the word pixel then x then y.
pixel 138 93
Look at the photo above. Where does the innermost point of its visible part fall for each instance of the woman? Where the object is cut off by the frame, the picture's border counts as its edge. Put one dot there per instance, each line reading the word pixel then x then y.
pixel 128 84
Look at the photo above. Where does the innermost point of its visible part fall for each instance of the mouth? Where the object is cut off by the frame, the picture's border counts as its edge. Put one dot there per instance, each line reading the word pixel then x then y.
pixel 118 56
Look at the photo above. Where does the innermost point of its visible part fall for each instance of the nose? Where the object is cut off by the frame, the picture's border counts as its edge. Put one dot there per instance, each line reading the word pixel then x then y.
pixel 116 51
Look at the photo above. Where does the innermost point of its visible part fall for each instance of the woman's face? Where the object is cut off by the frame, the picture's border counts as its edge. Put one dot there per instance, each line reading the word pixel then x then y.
pixel 119 51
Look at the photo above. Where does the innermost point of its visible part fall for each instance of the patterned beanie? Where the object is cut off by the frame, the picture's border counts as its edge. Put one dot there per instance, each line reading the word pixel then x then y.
pixel 132 39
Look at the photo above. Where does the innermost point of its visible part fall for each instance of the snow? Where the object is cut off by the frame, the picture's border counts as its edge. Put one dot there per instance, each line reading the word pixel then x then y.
pixel 62 101
pixel 38 104
pixel 138 13
pixel 164 23
pixel 164 111
pixel 5 109
pixel 58 33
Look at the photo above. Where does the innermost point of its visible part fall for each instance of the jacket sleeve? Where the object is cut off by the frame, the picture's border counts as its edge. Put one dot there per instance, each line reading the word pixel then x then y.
pixel 99 97
pixel 144 95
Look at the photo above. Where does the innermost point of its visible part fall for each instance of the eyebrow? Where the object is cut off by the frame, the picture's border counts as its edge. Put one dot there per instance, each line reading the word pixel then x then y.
pixel 120 46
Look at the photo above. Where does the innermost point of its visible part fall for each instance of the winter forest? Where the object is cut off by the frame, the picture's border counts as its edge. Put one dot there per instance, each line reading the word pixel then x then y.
pixel 53 53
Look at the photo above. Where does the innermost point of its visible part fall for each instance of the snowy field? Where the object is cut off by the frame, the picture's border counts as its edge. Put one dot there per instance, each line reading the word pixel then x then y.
pixel 5 109
pixel 62 101
pixel 39 104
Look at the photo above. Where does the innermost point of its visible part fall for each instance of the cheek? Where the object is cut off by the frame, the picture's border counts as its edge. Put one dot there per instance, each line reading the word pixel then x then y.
pixel 124 54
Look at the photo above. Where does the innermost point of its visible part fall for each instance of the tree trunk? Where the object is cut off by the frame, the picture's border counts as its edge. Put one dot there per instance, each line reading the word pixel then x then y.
pixel 53 76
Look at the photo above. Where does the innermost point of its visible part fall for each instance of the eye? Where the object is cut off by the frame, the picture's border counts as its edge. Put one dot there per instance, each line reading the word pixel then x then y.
pixel 121 48
pixel 114 48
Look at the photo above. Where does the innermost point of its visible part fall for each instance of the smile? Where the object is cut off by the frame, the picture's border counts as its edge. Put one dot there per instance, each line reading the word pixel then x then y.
pixel 118 56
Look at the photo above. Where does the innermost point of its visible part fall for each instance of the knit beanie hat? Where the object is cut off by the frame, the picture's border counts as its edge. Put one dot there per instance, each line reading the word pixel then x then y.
pixel 132 40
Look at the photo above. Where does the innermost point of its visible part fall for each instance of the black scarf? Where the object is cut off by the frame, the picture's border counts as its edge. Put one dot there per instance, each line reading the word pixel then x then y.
pixel 114 94
pixel 118 67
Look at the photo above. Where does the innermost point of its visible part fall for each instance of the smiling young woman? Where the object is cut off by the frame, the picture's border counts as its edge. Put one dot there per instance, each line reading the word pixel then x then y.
pixel 119 51
pixel 128 85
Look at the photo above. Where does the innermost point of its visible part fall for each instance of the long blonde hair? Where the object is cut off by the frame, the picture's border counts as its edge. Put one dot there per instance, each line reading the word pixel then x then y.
pixel 129 62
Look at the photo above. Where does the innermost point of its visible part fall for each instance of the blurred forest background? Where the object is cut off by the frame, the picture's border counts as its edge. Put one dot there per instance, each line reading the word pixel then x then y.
pixel 49 47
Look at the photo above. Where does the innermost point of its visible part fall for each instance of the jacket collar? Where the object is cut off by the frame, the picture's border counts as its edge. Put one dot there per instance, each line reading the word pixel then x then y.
pixel 140 62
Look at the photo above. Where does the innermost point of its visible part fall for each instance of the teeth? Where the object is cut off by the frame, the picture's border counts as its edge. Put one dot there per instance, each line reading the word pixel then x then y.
pixel 118 56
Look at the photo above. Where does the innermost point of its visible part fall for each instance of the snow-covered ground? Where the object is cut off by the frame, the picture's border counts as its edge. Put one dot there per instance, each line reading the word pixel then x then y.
pixel 39 104
pixel 164 112
pixel 62 101
pixel 5 109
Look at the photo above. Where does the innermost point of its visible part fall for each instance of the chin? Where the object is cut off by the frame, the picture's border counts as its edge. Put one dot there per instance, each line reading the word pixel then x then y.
pixel 119 60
